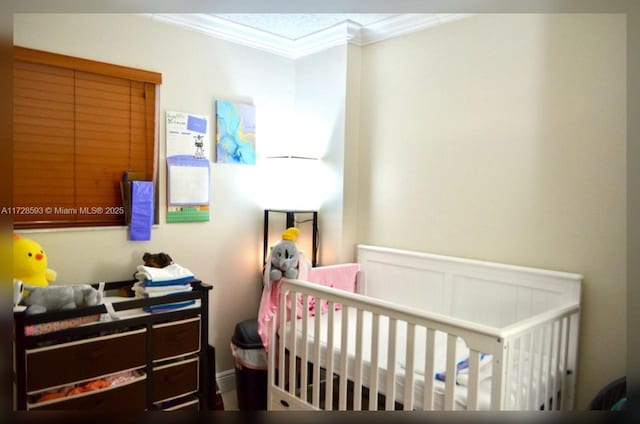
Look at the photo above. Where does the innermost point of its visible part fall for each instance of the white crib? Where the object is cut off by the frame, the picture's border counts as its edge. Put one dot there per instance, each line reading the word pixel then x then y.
pixel 508 334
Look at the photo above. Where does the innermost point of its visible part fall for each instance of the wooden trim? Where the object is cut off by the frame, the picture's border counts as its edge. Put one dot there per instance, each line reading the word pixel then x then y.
pixel 155 90
pixel 63 61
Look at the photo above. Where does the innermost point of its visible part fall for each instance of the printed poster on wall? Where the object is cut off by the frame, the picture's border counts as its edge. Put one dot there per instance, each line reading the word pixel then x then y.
pixel 188 167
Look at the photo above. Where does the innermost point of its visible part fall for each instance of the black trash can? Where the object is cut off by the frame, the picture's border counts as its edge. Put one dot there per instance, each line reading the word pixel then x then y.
pixel 250 366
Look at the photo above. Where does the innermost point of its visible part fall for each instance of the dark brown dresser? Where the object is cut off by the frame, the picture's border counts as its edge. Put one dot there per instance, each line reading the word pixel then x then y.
pixel 140 361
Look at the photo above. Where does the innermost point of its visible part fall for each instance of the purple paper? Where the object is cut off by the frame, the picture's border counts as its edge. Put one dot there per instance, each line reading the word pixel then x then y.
pixel 196 124
pixel 141 210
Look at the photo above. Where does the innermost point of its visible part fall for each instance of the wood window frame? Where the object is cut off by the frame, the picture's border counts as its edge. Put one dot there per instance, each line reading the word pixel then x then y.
pixel 147 83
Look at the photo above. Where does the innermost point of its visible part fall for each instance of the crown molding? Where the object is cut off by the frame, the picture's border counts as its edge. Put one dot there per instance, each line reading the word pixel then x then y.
pixel 403 24
pixel 339 34
pixel 230 31
pixel 336 35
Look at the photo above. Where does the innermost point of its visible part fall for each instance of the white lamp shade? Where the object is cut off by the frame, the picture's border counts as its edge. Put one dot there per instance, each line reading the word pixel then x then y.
pixel 292 183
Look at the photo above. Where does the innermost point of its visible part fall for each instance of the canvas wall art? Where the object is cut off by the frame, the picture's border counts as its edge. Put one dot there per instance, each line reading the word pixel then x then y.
pixel 235 132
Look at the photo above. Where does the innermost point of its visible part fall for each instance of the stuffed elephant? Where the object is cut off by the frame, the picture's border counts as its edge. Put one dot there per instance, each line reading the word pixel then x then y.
pixel 285 256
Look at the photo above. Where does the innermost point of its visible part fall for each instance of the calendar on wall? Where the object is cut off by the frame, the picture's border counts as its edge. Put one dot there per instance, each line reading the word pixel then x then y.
pixel 188 167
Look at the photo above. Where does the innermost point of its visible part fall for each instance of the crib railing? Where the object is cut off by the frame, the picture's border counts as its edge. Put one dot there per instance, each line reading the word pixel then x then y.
pixel 542 362
pixel 530 362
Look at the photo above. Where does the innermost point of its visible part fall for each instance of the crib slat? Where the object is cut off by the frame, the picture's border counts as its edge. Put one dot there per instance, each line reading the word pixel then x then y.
pixel 357 389
pixel 472 389
pixel 427 402
pixel 375 341
pixel 271 357
pixel 540 365
pixel 498 376
pixel 530 375
pixel 282 339
pixel 558 372
pixel 293 299
pixel 328 400
pixel 520 381
pixel 511 373
pixel 342 397
pixel 509 390
pixel 523 372
pixel 317 336
pixel 408 380
pixel 572 364
pixel 553 403
pixel 547 373
pixel 390 394
pixel 563 399
pixel 450 381
pixel 304 348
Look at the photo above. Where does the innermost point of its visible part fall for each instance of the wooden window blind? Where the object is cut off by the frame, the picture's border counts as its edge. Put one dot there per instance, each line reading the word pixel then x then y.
pixel 78 126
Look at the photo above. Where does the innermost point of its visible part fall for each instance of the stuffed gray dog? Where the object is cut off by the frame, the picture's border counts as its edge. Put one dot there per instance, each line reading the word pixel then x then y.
pixel 58 297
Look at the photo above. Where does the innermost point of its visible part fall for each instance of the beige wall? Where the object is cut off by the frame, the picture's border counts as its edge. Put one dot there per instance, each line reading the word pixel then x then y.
pixel 502 137
pixel 321 89
pixel 196 69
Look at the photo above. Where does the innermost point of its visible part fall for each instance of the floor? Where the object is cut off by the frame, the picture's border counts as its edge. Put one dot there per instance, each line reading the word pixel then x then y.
pixel 230 400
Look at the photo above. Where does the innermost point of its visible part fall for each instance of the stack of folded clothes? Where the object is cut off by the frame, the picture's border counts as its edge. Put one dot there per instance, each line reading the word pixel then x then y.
pixel 170 280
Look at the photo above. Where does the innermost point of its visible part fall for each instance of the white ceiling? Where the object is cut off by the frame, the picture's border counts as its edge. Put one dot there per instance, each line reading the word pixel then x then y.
pixel 295 35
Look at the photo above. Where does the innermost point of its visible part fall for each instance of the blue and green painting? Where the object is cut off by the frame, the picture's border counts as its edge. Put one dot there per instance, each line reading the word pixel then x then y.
pixel 235 132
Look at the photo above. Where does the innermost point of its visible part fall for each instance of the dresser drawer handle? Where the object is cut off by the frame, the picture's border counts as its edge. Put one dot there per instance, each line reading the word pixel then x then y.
pixel 91 355
pixel 174 377
pixel 180 335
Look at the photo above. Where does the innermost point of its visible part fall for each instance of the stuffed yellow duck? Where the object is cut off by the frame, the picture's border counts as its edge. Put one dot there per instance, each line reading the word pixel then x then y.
pixel 30 263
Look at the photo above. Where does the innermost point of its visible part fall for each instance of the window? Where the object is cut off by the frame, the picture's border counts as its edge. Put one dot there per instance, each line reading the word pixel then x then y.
pixel 78 125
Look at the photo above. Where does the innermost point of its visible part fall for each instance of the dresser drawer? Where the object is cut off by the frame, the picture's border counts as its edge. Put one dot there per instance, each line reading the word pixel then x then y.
pixel 81 360
pixel 176 338
pixel 191 405
pixel 127 397
pixel 176 379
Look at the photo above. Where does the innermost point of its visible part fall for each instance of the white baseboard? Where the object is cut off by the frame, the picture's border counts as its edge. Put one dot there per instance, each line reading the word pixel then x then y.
pixel 226 380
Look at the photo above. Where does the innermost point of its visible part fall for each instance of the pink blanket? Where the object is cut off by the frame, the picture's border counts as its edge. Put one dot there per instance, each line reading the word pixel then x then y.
pixel 342 277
